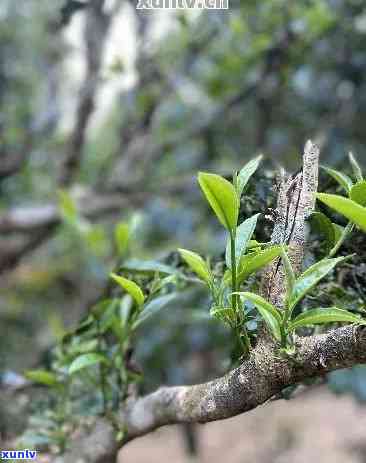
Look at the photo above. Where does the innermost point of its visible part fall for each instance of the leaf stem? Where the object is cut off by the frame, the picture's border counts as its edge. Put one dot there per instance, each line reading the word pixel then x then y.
pixel 234 297
pixel 240 328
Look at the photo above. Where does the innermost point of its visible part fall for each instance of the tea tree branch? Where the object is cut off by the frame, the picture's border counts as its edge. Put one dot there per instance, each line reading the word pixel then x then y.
pixel 254 382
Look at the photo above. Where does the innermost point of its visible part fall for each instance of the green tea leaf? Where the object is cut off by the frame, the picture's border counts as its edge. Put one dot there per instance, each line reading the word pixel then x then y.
pixel 224 314
pixel 147 267
pixel 350 209
pixel 121 236
pixel 42 377
pixel 109 314
pixel 322 316
pixel 86 360
pixel 242 238
pixel 289 272
pixel 153 307
pixel 196 263
pixel 342 179
pixel 355 167
pixel 125 309
pixel 358 193
pixel 246 172
pixel 222 197
pixel 269 313
pixel 131 287
pixel 323 225
pixel 310 278
pixel 254 244
pixel 99 308
pixel 255 261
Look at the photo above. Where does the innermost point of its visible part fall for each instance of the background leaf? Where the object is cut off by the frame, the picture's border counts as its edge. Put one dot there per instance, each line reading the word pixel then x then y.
pixel 196 263
pixel 355 167
pixel 147 267
pixel 153 307
pixel 342 179
pixel 121 236
pixel 86 360
pixel 42 377
pixel 131 287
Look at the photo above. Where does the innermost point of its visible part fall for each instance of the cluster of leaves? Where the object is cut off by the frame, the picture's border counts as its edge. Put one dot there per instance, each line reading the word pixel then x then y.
pixel 102 341
pixel 353 206
pixel 281 322
pixel 243 256
pixel 92 367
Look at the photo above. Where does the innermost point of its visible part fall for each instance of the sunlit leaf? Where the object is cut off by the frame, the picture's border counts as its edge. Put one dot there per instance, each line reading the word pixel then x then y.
pixel 42 377
pixel 85 361
pixel 246 172
pixel 350 209
pixel 121 236
pixel 358 193
pixel 322 316
pixel 355 167
pixel 269 313
pixel 96 239
pixel 342 179
pixel 131 287
pixel 196 263
pixel 153 307
pixel 222 197
pixel 243 235
pixel 255 261
pixel 310 278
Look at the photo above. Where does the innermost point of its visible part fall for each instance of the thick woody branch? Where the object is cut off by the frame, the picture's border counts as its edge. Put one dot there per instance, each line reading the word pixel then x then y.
pixel 32 218
pixel 254 382
pixel 296 199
